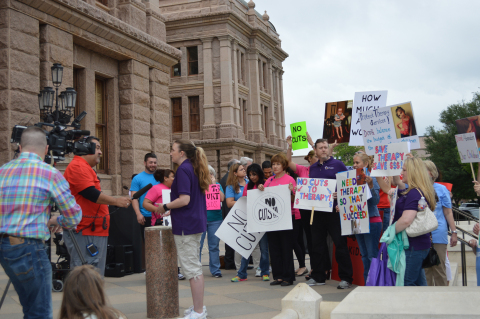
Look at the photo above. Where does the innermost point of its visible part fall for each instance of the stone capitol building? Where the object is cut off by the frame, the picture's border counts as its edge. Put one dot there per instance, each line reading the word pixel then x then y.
pixel 148 72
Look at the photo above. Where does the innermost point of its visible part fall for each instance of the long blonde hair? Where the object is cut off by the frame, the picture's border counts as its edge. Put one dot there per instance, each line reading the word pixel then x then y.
pixel 418 177
pixel 232 178
pixel 432 169
pixel 199 161
pixel 367 160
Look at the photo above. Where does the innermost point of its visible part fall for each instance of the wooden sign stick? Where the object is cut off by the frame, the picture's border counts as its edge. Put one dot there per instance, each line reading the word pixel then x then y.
pixel 311 217
pixel 473 173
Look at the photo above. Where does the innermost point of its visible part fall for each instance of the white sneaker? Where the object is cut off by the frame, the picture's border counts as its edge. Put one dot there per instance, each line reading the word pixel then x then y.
pixel 344 285
pixel 312 282
pixel 181 277
pixel 258 273
pixel 187 312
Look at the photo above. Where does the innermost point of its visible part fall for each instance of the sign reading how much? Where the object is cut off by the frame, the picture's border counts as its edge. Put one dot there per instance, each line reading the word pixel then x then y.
pixel 213 197
pixel 299 135
pixel 352 201
pixel 467 148
pixel 314 193
pixel 233 230
pixel 388 159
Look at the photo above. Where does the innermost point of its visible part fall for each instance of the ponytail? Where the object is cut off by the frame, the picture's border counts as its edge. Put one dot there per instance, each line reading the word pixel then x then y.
pixel 199 161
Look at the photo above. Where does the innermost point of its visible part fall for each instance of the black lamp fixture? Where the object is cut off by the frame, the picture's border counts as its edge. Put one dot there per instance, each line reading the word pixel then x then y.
pixel 64 104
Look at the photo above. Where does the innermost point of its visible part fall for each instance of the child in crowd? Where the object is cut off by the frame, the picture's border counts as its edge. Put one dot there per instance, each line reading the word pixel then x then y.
pixel 84 296
pixel 339 117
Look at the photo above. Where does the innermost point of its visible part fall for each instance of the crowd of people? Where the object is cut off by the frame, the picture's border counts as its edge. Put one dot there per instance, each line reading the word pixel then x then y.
pixel 29 186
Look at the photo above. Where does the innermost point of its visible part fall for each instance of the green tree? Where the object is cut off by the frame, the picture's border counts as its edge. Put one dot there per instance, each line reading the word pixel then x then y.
pixel 442 148
pixel 345 153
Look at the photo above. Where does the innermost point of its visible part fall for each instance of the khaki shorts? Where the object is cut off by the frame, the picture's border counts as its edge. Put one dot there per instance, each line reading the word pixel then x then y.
pixel 188 249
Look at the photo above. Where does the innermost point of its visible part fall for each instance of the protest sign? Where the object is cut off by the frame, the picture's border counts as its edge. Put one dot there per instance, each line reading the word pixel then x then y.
pixel 393 202
pixel 467 148
pixel 404 122
pixel 388 159
pixel 269 210
pixel 337 121
pixel 299 135
pixel 213 197
pixel 167 221
pixel 470 125
pixel 364 101
pixel 233 230
pixel 314 193
pixel 352 201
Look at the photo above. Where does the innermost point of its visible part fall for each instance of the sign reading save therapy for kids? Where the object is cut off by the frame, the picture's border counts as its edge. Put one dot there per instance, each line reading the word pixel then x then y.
pixel 467 147
pixel 213 197
pixel 388 159
pixel 352 202
pixel 314 193
pixel 233 230
pixel 299 135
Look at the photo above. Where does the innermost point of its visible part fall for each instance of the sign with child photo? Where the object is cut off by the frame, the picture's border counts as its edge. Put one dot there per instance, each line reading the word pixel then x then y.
pixel 314 193
pixel 352 202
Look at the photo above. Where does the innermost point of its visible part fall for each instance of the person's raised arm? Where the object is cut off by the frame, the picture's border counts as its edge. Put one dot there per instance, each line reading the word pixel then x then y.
pixel 310 141
pixel 385 186
pixel 291 164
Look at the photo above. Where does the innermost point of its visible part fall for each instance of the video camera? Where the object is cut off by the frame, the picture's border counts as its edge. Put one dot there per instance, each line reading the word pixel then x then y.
pixel 60 141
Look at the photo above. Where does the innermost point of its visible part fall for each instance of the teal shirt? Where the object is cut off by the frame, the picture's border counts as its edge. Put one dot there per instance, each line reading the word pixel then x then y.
pixel 214 215
pixel 397 243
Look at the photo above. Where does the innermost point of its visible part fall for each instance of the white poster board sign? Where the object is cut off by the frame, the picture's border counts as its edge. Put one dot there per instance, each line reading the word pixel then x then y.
pixel 233 230
pixel 269 210
pixel 467 147
pixel 167 221
pixel 393 202
pixel 388 159
pixel 364 101
pixel 314 193
pixel 352 201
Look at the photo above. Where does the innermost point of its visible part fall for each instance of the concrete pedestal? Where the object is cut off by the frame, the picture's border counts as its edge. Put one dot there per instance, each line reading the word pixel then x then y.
pixel 162 273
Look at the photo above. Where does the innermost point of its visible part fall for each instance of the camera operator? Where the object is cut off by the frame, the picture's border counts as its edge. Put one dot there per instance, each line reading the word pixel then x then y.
pixel 92 232
pixel 28 187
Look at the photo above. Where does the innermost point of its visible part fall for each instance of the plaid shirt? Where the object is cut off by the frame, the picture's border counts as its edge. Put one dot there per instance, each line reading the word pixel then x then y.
pixel 28 187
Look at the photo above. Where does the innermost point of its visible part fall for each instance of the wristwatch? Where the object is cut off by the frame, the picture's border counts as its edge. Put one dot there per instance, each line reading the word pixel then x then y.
pixel 165 207
pixel 454 232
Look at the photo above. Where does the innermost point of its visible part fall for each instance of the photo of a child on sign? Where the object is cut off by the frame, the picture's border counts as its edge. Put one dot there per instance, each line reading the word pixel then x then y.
pixel 403 120
pixel 338 117
pixel 470 125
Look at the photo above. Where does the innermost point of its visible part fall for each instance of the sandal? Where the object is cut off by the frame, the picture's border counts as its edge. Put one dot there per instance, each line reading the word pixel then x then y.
pixel 303 273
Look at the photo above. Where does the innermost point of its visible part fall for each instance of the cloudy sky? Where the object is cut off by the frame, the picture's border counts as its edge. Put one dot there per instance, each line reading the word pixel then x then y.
pixel 425 52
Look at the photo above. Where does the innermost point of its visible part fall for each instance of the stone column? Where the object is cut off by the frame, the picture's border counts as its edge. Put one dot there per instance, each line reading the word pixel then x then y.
pixel 271 116
pixel 209 130
pixel 185 118
pixel 135 139
pixel 260 74
pixel 235 83
pixel 184 62
pixel 160 126
pixel 257 134
pixel 161 269
pixel 281 108
pixel 19 75
pixel 227 126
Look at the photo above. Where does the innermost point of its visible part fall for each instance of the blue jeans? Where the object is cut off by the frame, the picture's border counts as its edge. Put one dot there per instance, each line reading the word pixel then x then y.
pixel 386 218
pixel 264 261
pixel 368 244
pixel 213 246
pixel 30 271
pixel 414 273
pixel 478 266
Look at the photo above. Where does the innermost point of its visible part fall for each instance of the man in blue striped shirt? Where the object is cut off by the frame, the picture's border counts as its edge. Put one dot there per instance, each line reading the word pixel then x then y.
pixel 28 187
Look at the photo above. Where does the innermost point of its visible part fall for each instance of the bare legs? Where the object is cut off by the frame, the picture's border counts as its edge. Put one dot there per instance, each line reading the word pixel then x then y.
pixel 197 286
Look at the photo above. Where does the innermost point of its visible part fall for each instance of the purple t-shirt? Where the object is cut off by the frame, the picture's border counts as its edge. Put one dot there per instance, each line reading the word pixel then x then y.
pixel 190 219
pixel 327 170
pixel 410 202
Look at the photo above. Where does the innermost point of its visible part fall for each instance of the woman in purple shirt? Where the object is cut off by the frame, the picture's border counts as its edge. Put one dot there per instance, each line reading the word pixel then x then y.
pixel 189 216
pixel 416 175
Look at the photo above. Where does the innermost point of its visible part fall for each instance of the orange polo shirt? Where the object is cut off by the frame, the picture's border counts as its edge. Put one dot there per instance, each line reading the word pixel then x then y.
pixel 80 175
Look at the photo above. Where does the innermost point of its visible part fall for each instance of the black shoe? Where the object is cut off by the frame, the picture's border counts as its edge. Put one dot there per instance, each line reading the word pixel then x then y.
pixel 250 267
pixel 276 283
pixel 285 283
pixel 218 276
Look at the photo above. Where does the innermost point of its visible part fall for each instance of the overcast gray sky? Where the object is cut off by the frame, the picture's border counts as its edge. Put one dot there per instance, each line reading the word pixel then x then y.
pixel 425 52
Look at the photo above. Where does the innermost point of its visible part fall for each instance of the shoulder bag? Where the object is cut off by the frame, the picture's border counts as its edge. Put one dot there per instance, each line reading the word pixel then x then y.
pixel 424 223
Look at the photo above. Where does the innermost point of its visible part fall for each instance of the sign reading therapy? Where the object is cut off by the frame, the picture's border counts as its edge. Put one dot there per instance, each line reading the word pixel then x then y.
pixel 388 159
pixel 364 101
pixel 467 147
pixel 269 210
pixel 233 230
pixel 352 202
pixel 314 193
pixel 299 135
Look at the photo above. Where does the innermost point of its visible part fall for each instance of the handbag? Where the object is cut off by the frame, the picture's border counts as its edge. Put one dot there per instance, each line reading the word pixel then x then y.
pixel 379 274
pixel 432 258
pixel 424 223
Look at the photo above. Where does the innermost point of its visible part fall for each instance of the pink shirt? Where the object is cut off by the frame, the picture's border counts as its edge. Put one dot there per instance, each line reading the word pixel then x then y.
pixel 301 170
pixel 284 180
pixel 155 196
pixel 245 189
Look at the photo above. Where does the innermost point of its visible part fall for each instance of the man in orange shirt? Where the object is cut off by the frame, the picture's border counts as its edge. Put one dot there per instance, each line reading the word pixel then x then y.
pixel 93 228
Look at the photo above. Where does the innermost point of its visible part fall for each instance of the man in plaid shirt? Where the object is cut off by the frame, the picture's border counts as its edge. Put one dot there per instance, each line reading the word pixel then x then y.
pixel 28 187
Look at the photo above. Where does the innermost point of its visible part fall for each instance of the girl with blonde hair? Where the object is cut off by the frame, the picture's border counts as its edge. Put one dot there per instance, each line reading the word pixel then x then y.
pixel 415 183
